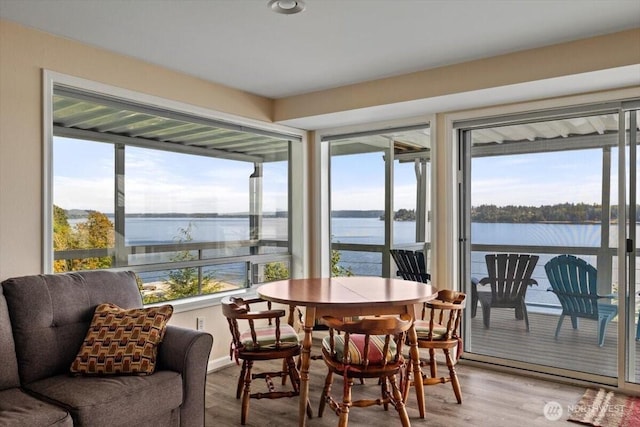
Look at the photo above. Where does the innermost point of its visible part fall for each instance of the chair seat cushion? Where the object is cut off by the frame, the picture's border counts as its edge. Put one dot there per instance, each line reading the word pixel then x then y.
pixel 422 330
pixel 112 400
pixel 17 408
pixel 356 349
pixel 266 338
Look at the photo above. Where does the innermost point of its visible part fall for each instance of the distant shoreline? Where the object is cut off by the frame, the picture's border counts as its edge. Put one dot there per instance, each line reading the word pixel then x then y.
pixel 239 216
pixel 79 214
pixel 181 215
pixel 406 216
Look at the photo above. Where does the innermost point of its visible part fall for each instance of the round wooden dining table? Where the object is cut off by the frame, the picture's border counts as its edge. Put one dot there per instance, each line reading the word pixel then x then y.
pixel 350 296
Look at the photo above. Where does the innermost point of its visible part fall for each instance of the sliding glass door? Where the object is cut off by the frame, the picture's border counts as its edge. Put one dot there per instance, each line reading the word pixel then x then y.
pixel 547 185
pixel 630 139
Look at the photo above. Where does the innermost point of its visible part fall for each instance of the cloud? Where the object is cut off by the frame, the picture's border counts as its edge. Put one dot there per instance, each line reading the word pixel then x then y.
pixel 160 182
pixel 87 193
pixel 502 192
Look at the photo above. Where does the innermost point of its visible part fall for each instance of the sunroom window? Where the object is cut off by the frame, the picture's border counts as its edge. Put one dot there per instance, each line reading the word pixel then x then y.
pixel 193 205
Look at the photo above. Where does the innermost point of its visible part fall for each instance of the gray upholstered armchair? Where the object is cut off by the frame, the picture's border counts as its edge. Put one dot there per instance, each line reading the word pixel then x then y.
pixel 49 317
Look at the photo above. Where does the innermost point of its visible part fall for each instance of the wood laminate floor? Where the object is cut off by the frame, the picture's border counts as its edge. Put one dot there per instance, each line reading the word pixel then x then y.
pixel 490 398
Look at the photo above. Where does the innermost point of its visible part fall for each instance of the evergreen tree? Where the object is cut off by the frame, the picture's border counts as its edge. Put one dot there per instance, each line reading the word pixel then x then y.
pixel 275 271
pixel 336 269
pixel 278 270
pixel 185 282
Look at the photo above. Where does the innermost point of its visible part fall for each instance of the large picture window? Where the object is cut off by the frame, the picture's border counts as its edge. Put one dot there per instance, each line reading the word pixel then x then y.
pixel 192 205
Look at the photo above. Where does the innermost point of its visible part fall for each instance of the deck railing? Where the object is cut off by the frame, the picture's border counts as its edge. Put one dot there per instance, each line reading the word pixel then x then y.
pixel 158 257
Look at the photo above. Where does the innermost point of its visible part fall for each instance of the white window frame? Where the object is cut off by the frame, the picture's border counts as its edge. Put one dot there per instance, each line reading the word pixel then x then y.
pixel 298 216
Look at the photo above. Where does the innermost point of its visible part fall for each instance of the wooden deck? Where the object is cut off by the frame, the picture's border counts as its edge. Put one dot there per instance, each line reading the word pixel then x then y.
pixel 574 349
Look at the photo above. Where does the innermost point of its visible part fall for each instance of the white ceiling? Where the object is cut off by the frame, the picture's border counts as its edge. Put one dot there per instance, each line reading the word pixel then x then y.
pixel 244 45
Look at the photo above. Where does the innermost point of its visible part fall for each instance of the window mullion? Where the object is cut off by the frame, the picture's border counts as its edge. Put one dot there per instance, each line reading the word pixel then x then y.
pixel 120 257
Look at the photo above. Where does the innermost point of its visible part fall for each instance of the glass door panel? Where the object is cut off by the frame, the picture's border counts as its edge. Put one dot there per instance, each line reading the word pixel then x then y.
pixel 370 174
pixel 357 207
pixel 545 188
pixel 632 121
pixel 412 193
pixel 404 202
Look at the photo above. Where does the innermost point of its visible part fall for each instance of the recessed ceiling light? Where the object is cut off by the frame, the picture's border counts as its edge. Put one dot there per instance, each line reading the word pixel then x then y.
pixel 286 7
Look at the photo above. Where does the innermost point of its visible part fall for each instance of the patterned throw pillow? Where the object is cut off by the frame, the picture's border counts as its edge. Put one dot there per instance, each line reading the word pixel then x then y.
pixel 122 341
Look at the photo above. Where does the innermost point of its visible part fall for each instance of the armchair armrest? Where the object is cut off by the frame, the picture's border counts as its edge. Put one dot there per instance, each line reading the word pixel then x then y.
pixel 266 314
pixel 442 305
pixel 187 351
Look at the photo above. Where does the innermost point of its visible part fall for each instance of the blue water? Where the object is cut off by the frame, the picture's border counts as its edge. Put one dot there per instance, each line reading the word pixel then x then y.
pixel 147 231
pixel 358 230
pixel 144 231
pixel 539 234
pixel 371 231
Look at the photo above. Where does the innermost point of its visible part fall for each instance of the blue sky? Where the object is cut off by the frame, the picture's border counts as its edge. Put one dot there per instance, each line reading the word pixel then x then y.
pixel 358 183
pixel 532 180
pixel 158 181
pixel 169 182
pixel 540 179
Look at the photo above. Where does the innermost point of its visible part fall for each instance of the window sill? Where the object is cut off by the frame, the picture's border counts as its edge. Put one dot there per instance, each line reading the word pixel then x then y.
pixel 203 301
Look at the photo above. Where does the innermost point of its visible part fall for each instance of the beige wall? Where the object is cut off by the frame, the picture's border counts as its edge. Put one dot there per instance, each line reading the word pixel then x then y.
pixel 24 53
pixel 593 54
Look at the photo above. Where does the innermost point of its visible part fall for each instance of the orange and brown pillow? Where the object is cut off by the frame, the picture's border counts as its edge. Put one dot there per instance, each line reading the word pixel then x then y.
pixel 122 341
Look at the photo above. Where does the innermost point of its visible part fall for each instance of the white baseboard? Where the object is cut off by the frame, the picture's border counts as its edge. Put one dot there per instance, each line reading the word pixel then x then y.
pixel 219 363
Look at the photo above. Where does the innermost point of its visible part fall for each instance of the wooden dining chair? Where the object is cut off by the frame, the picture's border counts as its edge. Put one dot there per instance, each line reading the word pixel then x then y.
pixel 440 330
pixel 365 348
pixel 263 337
